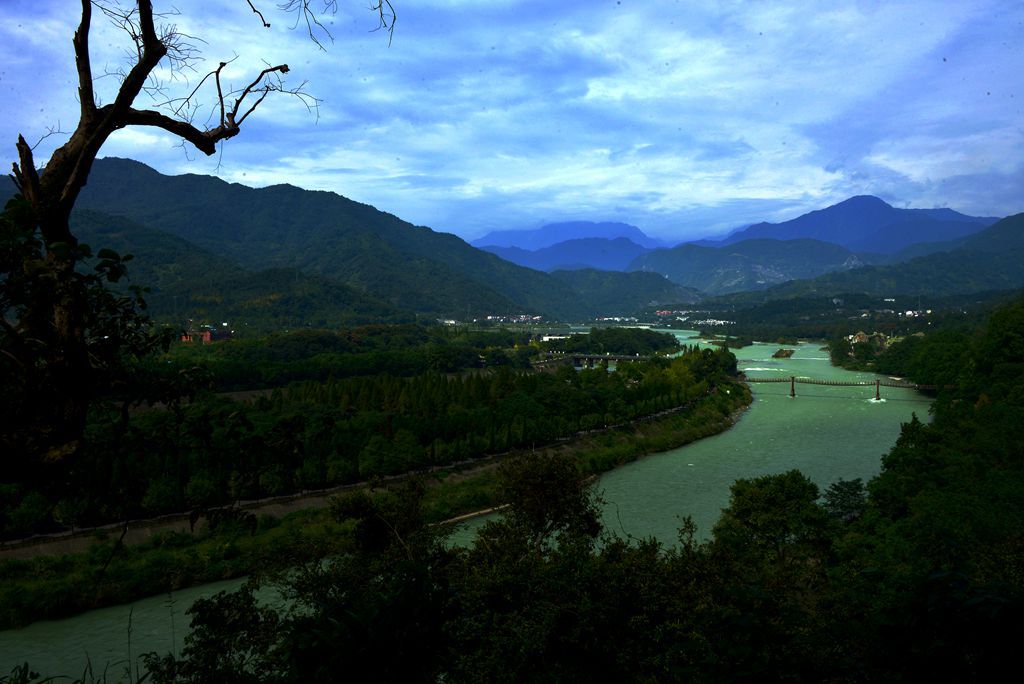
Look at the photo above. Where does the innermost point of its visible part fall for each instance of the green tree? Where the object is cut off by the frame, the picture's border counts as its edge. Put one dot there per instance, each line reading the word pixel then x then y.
pixel 39 426
pixel 549 497
pixel 845 500
pixel 774 519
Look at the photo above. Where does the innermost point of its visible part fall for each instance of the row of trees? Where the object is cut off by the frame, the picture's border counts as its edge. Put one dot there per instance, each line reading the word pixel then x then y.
pixel 397 350
pixel 311 435
pixel 627 341
pixel 915 576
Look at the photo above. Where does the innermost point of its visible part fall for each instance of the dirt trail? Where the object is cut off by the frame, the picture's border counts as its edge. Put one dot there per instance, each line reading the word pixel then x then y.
pixel 139 531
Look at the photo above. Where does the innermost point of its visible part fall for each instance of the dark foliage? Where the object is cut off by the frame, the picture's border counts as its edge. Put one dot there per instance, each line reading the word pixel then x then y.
pixel 330 430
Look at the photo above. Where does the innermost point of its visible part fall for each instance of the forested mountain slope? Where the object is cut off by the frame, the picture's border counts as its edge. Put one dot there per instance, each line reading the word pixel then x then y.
pixel 993 259
pixel 321 233
pixel 746 265
pixel 867 223
pixel 187 282
pixel 317 232
pixel 607 290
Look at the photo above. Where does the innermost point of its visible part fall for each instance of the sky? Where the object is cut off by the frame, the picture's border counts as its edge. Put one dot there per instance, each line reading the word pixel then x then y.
pixel 686 119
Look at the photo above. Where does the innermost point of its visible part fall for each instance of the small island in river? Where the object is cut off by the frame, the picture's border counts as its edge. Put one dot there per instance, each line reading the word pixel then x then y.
pixel 783 354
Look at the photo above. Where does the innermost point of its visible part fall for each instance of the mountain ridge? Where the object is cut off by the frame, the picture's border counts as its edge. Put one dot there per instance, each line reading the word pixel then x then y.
pixel 607 254
pixel 752 264
pixel 326 235
pixel 992 259
pixel 866 223
pixel 554 233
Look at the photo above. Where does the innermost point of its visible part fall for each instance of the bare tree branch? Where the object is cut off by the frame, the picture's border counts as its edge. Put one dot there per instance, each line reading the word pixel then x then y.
pixel 151 51
pixel 50 131
pixel 253 8
pixel 387 15
pixel 204 141
pixel 70 164
pixel 188 99
pixel 25 176
pixel 220 92
pixel 233 115
pixel 86 97
pixel 303 13
pixel 314 27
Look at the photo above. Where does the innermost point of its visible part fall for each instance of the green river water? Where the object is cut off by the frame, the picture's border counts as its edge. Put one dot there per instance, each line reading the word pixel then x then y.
pixel 829 433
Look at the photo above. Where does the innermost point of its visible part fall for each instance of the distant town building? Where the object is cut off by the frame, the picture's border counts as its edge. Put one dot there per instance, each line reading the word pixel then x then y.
pixel 205 336
pixel 206 333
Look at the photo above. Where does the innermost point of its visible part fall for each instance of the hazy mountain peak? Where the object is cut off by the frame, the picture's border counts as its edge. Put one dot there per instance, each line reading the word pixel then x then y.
pixel 867 223
pixel 554 233
pixel 863 201
pixel 606 254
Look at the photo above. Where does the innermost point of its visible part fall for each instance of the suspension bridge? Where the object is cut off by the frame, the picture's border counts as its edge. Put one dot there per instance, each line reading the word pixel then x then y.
pixel 878 384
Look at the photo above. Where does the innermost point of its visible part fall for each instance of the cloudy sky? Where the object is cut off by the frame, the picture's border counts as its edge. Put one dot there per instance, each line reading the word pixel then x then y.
pixel 684 118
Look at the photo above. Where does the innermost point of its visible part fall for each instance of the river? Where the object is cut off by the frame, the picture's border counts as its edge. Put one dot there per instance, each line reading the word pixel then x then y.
pixel 829 433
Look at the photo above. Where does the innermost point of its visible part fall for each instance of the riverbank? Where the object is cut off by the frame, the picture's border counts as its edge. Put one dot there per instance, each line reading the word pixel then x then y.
pixel 110 572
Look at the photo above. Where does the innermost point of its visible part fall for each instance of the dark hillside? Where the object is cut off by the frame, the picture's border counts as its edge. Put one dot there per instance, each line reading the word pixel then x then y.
pixel 187 282
pixel 867 223
pixel 747 265
pixel 993 259
pixel 316 232
pixel 321 233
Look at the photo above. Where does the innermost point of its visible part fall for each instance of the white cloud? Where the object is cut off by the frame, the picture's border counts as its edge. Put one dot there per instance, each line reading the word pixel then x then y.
pixel 924 159
pixel 671 116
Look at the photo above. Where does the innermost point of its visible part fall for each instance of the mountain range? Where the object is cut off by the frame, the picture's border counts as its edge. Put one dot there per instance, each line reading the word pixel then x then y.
pixel 554 233
pixel 287 256
pixel 299 247
pixel 991 259
pixel 753 264
pixel 607 254
pixel 868 224
pixel 857 232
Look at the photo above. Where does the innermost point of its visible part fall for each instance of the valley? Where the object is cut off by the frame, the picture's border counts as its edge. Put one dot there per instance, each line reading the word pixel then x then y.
pixel 510 342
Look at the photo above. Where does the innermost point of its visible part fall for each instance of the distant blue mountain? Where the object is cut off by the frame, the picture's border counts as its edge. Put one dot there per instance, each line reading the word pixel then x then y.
pixel 992 259
pixel 598 253
pixel 867 224
pixel 553 233
pixel 747 265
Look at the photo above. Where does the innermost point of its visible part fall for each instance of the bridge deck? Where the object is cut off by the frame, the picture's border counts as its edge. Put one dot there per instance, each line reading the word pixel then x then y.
pixel 852 383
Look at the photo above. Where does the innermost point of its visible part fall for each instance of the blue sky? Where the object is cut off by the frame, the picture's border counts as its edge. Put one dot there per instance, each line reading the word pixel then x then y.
pixel 683 118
